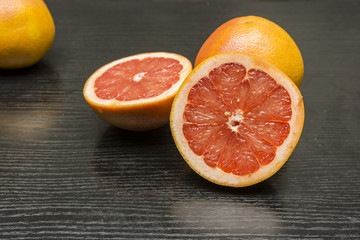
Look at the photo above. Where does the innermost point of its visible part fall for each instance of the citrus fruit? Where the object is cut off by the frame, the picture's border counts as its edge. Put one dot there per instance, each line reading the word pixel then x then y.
pixel 258 37
pixel 26 32
pixel 136 92
pixel 236 119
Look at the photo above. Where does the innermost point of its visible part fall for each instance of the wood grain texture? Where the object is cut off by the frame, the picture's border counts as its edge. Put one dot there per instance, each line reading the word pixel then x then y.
pixel 65 174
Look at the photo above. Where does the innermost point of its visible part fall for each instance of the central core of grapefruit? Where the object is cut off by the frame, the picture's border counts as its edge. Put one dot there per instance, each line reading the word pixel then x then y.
pixel 138 78
pixel 236 118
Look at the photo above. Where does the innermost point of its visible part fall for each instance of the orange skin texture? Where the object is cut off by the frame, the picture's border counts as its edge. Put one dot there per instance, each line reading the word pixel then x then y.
pixel 27 32
pixel 258 37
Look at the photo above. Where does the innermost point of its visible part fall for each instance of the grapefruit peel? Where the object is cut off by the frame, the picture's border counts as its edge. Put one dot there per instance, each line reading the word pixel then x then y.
pixel 283 152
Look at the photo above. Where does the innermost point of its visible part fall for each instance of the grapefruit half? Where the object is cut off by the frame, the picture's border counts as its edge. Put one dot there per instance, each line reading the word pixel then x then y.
pixel 236 119
pixel 136 92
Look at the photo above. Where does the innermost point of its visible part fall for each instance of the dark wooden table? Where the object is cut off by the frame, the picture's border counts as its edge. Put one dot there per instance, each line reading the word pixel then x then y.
pixel 66 174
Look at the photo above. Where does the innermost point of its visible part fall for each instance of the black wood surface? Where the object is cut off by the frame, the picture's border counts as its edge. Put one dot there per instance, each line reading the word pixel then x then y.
pixel 66 174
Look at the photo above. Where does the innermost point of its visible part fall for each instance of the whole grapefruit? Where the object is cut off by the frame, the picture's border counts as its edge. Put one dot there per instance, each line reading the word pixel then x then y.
pixel 258 37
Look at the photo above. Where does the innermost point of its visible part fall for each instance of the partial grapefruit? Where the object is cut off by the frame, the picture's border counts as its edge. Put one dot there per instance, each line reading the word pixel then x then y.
pixel 258 37
pixel 136 92
pixel 236 119
pixel 27 32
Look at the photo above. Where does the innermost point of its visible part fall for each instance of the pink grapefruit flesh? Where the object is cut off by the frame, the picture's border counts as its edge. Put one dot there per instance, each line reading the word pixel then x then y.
pixel 237 135
pixel 138 78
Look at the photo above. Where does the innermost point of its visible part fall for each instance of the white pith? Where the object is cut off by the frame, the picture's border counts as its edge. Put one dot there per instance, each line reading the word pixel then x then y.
pixel 89 87
pixel 283 152
pixel 139 76
pixel 234 119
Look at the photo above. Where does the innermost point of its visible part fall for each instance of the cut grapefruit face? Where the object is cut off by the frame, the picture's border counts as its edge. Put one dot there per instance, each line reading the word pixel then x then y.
pixel 136 92
pixel 236 119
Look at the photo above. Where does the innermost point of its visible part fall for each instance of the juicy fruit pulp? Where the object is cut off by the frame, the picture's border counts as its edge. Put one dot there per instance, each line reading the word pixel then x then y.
pixel 237 134
pixel 138 78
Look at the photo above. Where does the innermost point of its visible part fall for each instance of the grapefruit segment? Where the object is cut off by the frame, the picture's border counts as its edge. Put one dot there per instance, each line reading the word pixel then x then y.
pixel 227 80
pixel 237 157
pixel 261 84
pixel 215 150
pixel 236 119
pixel 200 135
pixel 204 94
pixel 136 92
pixel 262 149
pixel 203 115
pixel 276 107
pixel 273 132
